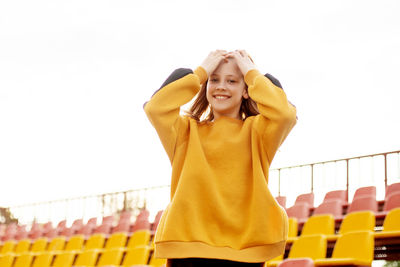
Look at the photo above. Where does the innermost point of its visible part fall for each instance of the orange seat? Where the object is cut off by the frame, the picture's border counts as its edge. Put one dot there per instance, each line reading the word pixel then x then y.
pixel 392 201
pixel 305 198
pixel 299 211
pixel 336 195
pixel 331 206
pixel 390 189
pixel 365 191
pixel 281 201
pixel 362 203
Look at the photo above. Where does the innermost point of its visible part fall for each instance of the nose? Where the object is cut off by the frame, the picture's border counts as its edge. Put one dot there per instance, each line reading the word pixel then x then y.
pixel 221 85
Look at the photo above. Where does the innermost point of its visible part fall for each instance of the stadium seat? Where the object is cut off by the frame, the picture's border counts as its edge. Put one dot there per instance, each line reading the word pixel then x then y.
pixel 139 238
pixel 301 262
pixel 110 257
pixel 355 221
pixel 158 262
pixel 95 242
pixel 392 201
pixel 310 246
pixel 395 187
pixel 125 215
pixel 23 260
pixel 281 201
pixel 136 256
pixel 319 224
pixel 391 225
pixel 363 203
pixel 305 198
pixel 117 240
pixel 39 245
pixel 293 228
pixel 365 191
pixel 122 226
pixel 330 206
pixel 8 246
pixel 75 242
pixel 87 258
pixel 64 259
pixel 156 221
pixel 103 229
pixel 43 259
pixel 354 248
pixel 7 260
pixel 336 195
pixel 56 244
pixel 140 224
pixel 22 246
pixel 75 227
pixel 21 233
pixel 299 211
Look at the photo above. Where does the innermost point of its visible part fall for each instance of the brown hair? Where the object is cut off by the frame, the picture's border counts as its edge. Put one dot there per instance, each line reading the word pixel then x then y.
pixel 201 107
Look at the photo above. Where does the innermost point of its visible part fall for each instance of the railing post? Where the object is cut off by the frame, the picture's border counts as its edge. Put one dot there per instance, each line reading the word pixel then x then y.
pixel 279 182
pixel 347 180
pixel 384 156
pixel 312 178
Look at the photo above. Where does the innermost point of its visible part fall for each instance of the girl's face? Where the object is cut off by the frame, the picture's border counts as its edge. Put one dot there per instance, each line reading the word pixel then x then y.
pixel 225 89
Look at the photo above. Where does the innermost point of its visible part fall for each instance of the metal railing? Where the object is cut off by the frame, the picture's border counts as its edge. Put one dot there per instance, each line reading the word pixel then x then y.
pixel 320 177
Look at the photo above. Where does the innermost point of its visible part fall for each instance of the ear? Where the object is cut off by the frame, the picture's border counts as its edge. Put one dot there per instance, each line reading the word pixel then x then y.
pixel 245 94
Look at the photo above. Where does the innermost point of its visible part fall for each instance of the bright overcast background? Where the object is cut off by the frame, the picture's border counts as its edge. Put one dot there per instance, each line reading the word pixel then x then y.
pixel 75 74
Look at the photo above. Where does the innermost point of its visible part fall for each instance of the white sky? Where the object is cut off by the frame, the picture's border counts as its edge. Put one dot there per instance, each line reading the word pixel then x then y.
pixel 75 74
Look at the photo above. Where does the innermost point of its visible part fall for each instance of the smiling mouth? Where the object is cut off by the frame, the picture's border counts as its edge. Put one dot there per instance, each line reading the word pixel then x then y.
pixel 221 97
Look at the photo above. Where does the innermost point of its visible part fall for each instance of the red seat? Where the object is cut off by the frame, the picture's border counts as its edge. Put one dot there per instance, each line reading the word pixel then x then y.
pixel 299 211
pixel 393 188
pixel 392 202
pixel 332 206
pixel 299 262
pixel 365 191
pixel 336 194
pixel 305 198
pixel 363 203
pixel 281 201
pixel 156 220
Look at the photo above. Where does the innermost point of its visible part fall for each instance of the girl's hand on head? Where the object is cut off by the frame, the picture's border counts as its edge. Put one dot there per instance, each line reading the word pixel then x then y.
pixel 213 59
pixel 243 60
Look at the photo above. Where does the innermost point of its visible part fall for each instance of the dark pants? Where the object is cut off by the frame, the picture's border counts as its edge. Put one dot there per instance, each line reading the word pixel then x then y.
pixel 199 262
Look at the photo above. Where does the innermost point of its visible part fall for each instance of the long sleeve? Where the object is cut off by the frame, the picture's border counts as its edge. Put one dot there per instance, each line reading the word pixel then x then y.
pixel 164 106
pixel 277 115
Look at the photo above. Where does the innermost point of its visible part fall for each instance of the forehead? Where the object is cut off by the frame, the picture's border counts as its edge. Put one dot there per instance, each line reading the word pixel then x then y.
pixel 227 68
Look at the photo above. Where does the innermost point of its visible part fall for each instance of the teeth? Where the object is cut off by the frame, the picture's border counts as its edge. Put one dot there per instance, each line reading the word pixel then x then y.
pixel 220 97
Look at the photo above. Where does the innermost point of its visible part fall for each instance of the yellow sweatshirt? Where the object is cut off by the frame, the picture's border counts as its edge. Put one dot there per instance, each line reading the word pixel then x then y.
pixel 221 206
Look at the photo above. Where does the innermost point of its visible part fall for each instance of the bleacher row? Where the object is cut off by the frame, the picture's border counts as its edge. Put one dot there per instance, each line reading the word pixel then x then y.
pixel 323 234
pixel 337 232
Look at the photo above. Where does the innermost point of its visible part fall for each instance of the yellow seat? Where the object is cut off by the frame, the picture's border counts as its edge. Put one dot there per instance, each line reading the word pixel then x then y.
pixel 23 260
pixel 308 246
pixel 116 240
pixel 352 248
pixel 64 259
pixel 95 241
pixel 319 224
pixel 43 259
pixel 111 257
pixel 136 256
pixel 56 244
pixel 391 225
pixel 139 238
pixel 87 258
pixel 275 261
pixel 22 246
pixel 355 221
pixel 293 230
pixel 6 260
pixel 39 245
pixel 8 246
pixel 75 243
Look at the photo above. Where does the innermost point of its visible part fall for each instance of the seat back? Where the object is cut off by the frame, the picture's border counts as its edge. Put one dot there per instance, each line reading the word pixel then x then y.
pixel 136 256
pixel 95 241
pixel 365 191
pixel 392 189
pixel 87 258
pixel 336 195
pixel 139 238
pixel 392 201
pixel 116 240
pixel 56 244
pixel 64 259
pixel 111 257
pixel 358 221
pixel 357 245
pixel 44 259
pixel 305 198
pixel 7 260
pixel 299 211
pixel 8 246
pixel 22 246
pixel 39 245
pixel 75 243
pixel 392 220
pixel 312 246
pixel 319 224
pixel 330 206
pixel 24 260
pixel 363 203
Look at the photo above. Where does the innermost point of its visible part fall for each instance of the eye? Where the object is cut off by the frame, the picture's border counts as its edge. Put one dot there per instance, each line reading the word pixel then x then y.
pixel 231 81
pixel 213 79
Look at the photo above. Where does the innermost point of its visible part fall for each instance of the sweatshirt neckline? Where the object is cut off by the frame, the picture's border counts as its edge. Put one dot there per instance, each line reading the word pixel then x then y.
pixel 225 118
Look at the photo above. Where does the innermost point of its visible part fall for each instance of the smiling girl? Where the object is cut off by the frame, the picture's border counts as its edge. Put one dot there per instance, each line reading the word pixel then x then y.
pixel 221 210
